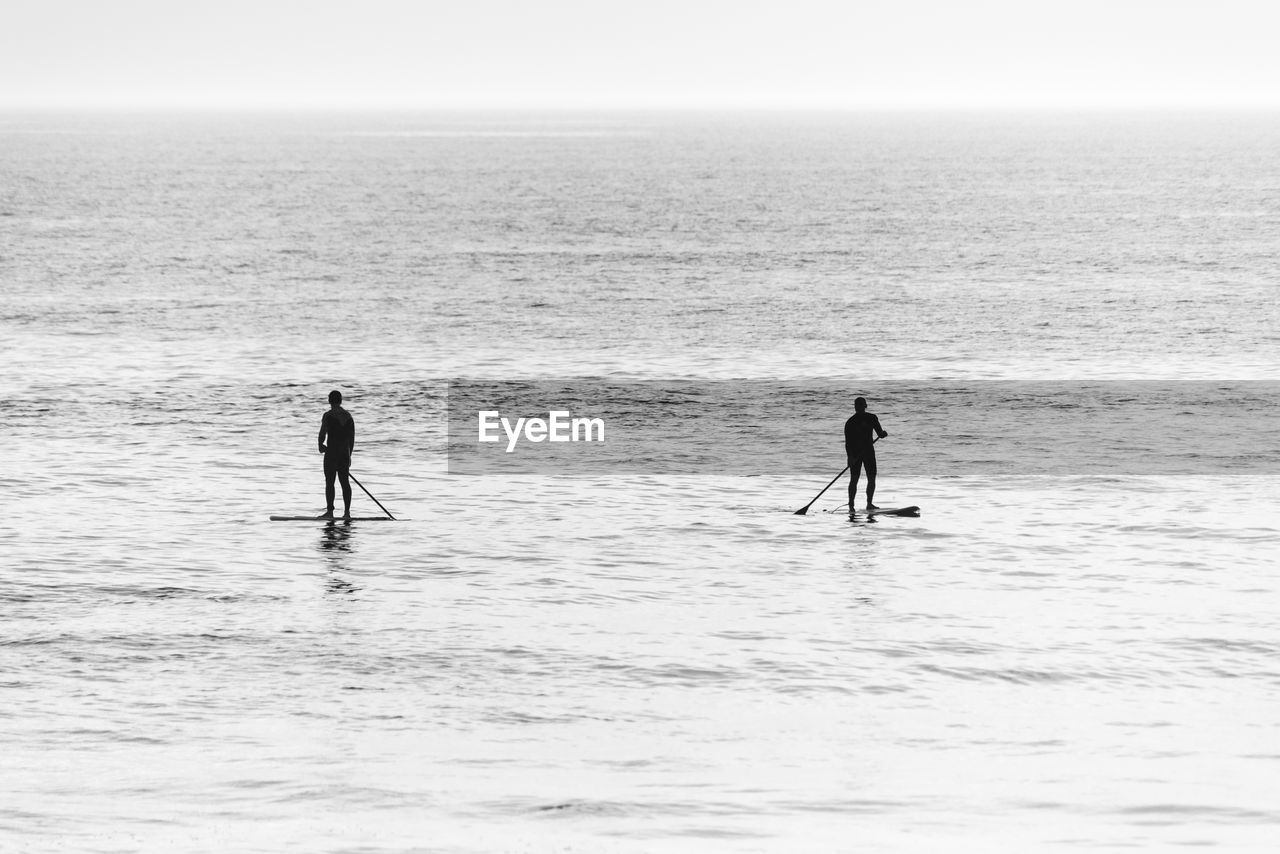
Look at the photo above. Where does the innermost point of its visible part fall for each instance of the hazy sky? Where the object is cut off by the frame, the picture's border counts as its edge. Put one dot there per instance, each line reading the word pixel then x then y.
pixel 655 53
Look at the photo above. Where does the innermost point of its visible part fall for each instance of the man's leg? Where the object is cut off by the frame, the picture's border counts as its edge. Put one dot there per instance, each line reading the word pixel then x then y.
pixel 871 480
pixel 346 494
pixel 329 473
pixel 855 470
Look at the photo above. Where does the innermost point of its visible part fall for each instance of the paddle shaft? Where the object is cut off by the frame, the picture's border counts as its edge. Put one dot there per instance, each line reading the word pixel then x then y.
pixel 379 503
pixel 805 509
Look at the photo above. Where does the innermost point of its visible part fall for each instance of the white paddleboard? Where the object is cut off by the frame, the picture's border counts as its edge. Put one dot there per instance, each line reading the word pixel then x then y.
pixel 334 519
pixel 911 510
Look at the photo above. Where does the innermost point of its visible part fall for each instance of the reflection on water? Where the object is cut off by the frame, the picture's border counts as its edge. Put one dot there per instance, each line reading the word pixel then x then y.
pixel 336 547
pixel 339 586
pixel 336 539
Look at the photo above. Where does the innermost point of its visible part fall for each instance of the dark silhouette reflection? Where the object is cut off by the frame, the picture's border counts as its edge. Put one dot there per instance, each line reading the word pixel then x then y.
pixel 337 545
pixel 340 586
pixel 336 539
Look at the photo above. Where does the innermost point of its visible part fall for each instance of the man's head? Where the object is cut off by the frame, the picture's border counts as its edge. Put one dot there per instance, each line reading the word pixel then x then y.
pixel 335 397
pixel 859 404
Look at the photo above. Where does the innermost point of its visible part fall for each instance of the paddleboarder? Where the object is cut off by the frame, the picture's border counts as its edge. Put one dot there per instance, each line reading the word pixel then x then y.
pixel 339 428
pixel 859 446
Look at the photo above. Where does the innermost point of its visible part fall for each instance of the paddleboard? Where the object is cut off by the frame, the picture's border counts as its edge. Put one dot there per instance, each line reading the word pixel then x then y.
pixel 894 511
pixel 334 519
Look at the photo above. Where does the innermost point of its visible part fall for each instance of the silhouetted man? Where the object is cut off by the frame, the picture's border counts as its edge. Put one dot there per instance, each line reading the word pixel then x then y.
pixel 860 448
pixel 340 428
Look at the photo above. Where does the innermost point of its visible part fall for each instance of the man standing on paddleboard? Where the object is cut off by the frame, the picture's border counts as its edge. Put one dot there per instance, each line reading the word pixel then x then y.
pixel 340 428
pixel 860 449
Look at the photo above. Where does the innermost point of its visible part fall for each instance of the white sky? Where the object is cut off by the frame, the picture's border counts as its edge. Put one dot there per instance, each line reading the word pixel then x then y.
pixel 647 53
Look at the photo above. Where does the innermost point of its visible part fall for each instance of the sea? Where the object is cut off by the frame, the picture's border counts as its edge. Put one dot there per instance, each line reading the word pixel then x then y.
pixel 1074 647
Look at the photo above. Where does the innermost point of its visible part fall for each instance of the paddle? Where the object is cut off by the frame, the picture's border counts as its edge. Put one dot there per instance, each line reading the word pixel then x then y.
pixel 805 509
pixel 376 501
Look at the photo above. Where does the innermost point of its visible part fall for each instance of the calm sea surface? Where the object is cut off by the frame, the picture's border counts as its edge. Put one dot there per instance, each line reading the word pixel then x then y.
pixel 1086 656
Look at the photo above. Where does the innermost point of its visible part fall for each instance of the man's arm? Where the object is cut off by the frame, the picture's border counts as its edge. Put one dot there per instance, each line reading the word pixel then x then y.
pixel 324 428
pixel 880 431
pixel 352 446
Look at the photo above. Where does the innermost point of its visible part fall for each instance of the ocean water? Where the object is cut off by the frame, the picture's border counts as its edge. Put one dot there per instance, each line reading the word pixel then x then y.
pixel 1066 650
